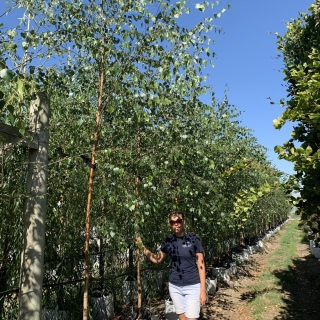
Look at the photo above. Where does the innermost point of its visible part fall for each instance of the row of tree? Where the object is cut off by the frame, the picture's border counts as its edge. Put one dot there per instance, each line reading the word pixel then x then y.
pixel 125 82
pixel 299 48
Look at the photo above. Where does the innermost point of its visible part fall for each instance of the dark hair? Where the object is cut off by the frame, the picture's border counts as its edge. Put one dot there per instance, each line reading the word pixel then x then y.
pixel 176 213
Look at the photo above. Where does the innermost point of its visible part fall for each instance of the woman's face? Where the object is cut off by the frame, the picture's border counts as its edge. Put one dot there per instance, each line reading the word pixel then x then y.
pixel 177 223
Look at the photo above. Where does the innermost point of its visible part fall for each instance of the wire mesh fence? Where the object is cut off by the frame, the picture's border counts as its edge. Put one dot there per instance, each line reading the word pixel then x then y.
pixel 113 287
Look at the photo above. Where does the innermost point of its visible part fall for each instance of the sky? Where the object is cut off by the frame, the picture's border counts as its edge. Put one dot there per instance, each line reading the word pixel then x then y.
pixel 246 64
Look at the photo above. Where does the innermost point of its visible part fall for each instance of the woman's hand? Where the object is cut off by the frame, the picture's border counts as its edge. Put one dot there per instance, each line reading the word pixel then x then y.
pixel 203 297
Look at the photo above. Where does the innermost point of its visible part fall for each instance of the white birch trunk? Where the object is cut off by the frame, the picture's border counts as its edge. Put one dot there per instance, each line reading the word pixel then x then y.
pixel 31 273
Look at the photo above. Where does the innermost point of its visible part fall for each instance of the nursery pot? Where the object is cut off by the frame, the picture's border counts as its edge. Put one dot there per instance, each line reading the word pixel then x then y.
pixel 49 314
pixel 170 310
pixel 130 289
pixel 245 254
pixel 233 267
pixel 102 305
pixel 316 252
pixel 211 286
pixel 221 273
pixel 151 280
pixel 251 249
pixel 256 248
pixel 312 245
pixel 238 257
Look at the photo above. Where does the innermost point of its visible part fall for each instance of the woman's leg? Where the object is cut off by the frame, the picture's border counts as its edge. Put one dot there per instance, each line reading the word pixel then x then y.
pixel 183 317
pixel 186 301
pixel 178 300
pixel 192 301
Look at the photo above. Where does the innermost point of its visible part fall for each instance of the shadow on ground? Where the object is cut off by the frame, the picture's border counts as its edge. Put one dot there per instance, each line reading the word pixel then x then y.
pixel 300 288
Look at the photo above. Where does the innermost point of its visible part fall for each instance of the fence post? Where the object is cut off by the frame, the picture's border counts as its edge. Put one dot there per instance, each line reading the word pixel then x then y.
pixel 31 272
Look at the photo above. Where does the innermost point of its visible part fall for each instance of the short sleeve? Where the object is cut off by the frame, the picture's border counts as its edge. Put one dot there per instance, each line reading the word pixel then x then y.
pixel 198 245
pixel 164 247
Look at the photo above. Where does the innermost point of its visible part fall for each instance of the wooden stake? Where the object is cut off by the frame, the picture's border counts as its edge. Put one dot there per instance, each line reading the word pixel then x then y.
pixel 31 274
pixel 137 249
pixel 25 57
pixel 90 186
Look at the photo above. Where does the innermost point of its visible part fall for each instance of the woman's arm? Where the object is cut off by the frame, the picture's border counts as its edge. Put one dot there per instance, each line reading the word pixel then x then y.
pixel 202 275
pixel 153 257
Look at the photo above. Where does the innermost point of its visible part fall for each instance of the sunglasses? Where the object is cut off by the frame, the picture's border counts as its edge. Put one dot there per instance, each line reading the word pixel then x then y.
pixel 173 222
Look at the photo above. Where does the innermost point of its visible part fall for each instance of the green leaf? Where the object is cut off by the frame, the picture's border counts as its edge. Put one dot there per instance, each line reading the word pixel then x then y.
pixel 2 65
pixel 116 170
pixel 200 6
pixel 111 109
pixel 276 124
pixel 22 131
pixel 20 88
pixel 7 75
pixel 309 150
pixel 11 118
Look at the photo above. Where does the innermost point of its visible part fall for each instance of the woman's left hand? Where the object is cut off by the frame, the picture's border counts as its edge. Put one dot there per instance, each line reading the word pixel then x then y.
pixel 203 298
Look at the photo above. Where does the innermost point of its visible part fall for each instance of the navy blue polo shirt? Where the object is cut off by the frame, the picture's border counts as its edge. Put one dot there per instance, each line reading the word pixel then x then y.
pixel 182 252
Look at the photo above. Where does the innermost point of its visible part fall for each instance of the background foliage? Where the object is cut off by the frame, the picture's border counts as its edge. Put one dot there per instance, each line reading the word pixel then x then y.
pixel 186 155
pixel 300 50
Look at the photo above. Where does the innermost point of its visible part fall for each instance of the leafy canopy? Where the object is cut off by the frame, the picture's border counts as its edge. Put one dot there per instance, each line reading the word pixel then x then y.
pixel 301 56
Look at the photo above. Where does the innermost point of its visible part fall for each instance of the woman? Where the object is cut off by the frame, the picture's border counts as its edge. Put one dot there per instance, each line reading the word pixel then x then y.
pixel 187 280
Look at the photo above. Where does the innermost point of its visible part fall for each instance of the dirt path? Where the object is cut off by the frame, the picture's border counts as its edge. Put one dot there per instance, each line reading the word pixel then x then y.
pixel 300 289
pixel 231 300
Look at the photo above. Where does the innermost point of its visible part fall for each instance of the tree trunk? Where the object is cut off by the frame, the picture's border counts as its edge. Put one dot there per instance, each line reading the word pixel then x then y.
pixel 31 274
pixel 136 182
pixel 90 187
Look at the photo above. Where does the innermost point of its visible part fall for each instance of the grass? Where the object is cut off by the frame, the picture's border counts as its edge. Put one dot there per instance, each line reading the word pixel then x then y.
pixel 267 293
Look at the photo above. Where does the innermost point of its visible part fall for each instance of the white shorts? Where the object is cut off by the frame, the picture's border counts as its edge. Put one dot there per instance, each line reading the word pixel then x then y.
pixel 186 299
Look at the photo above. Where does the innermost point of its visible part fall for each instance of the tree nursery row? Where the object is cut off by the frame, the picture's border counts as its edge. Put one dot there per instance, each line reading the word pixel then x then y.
pixel 124 81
